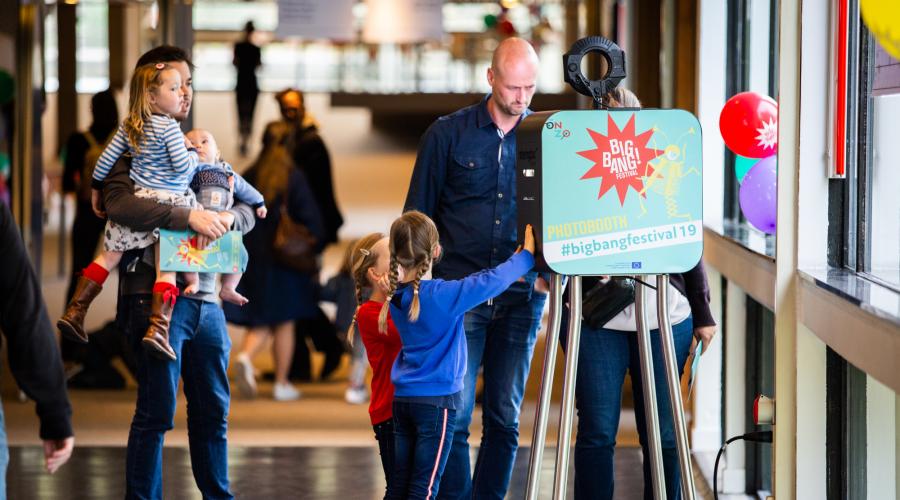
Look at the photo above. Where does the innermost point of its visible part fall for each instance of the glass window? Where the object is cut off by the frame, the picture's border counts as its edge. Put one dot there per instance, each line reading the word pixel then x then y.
pixel 455 64
pixel 882 244
pixel 92 47
pixel 751 65
pixel 871 207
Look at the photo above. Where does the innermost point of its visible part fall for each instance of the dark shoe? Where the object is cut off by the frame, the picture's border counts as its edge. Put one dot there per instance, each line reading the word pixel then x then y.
pixel 156 340
pixel 72 322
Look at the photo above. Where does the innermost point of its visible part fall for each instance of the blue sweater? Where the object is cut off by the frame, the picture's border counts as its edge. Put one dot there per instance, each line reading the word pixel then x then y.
pixel 432 361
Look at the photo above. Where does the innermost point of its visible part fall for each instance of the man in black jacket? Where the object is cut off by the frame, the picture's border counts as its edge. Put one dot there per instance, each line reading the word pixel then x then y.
pixel 33 353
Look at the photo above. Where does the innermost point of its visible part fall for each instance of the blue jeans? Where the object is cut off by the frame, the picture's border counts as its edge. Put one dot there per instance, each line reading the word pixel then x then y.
pixel 4 455
pixel 422 442
pixel 603 359
pixel 384 434
pixel 501 337
pixel 199 338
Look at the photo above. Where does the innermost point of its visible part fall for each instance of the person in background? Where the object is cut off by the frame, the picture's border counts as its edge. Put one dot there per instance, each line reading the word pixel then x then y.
pixel 278 295
pixel 607 353
pixel 247 58
pixel 310 155
pixel 341 290
pixel 32 351
pixel 80 155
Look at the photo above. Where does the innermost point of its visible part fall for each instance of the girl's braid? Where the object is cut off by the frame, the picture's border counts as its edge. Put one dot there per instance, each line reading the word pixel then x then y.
pixel 350 331
pixel 420 272
pixel 393 278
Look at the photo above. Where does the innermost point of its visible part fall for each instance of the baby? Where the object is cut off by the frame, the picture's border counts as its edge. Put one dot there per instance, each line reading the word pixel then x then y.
pixel 217 186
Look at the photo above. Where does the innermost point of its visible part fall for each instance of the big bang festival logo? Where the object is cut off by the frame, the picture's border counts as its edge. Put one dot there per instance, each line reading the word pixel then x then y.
pixel 621 159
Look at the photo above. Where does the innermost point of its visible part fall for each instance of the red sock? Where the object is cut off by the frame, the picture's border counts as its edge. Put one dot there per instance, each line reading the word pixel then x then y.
pixel 95 273
pixel 168 290
pixel 163 287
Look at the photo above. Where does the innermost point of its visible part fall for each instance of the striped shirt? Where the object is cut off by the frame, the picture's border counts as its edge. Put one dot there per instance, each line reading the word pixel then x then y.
pixel 163 163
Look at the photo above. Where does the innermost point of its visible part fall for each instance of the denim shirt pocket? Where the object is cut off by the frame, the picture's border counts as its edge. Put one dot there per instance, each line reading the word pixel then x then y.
pixel 470 171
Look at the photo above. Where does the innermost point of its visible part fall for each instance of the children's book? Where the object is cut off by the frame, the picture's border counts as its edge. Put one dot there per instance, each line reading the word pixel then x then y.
pixel 178 252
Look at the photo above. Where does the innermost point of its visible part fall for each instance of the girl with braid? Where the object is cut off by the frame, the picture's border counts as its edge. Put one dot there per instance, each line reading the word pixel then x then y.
pixel 369 266
pixel 428 374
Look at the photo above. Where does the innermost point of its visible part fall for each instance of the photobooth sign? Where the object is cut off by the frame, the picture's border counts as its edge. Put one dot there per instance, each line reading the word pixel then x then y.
pixel 626 191
pixel 178 252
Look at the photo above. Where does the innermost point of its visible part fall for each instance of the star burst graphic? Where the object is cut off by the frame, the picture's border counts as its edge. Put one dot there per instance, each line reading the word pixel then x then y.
pixel 768 134
pixel 621 159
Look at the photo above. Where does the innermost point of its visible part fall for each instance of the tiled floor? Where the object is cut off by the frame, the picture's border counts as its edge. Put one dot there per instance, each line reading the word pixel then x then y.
pixel 321 473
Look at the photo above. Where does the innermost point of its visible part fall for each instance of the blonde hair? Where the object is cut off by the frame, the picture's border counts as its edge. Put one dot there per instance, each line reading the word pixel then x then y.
pixel 359 259
pixel 620 97
pixel 413 239
pixel 146 79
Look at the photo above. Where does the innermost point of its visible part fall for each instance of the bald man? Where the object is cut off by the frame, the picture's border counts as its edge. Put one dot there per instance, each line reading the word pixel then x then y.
pixel 464 179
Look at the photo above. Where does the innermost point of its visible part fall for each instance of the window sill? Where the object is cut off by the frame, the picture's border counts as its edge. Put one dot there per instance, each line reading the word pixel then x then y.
pixel 734 252
pixel 856 317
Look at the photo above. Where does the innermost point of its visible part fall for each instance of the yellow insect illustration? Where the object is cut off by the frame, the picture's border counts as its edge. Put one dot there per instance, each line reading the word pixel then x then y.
pixel 669 170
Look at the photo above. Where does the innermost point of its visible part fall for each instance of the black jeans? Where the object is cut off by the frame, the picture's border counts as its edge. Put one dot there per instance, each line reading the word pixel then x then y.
pixel 384 434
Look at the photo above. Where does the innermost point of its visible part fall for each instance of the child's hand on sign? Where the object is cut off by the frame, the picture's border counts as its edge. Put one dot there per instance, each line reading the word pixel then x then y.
pixel 528 245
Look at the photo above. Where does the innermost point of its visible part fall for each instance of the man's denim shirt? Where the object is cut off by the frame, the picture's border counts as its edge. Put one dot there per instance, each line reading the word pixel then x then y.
pixel 465 180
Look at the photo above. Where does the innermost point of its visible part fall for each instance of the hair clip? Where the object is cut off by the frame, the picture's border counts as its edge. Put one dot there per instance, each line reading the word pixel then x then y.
pixel 160 65
pixel 364 252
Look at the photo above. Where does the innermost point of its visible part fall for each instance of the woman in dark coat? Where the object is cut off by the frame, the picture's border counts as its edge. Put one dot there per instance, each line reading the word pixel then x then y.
pixel 278 295
pixel 80 154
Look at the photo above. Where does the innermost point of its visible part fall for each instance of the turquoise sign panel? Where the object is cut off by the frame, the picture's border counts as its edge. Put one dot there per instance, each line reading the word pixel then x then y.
pixel 178 252
pixel 622 192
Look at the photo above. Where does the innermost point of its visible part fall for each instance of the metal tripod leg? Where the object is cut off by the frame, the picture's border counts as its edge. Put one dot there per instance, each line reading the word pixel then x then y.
pixel 568 404
pixel 650 411
pixel 539 437
pixel 674 382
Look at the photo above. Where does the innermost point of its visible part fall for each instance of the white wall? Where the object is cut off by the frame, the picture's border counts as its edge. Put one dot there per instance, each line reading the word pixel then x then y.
pixel 710 99
pixel 706 429
pixel 811 397
pixel 812 241
pixel 881 441
pixel 737 401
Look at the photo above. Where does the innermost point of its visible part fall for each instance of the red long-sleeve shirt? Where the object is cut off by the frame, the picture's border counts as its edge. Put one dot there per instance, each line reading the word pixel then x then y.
pixel 381 350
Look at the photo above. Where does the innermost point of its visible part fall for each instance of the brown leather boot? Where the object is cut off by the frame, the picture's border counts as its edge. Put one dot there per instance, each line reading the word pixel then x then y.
pixel 156 340
pixel 72 322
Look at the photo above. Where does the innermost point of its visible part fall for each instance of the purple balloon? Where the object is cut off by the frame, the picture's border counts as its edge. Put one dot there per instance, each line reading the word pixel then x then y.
pixel 758 195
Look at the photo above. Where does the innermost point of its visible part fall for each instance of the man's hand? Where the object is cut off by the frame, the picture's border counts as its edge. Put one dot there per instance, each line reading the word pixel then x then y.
pixel 57 452
pixel 227 218
pixel 261 212
pixel 706 334
pixel 207 223
pixel 97 203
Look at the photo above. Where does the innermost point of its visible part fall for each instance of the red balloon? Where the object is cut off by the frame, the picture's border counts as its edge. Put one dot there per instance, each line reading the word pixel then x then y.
pixel 749 125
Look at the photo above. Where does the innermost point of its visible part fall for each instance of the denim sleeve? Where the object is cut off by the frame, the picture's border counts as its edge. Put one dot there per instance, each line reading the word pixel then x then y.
pixel 429 172
pixel 246 193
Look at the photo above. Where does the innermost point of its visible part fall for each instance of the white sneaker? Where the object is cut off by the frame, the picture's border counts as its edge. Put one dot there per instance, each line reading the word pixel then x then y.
pixel 285 392
pixel 356 395
pixel 246 380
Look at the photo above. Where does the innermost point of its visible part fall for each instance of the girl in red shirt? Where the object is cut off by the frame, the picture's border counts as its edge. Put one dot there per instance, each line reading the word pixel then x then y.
pixel 370 260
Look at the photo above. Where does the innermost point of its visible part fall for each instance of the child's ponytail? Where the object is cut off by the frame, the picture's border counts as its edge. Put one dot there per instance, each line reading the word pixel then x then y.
pixel 385 309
